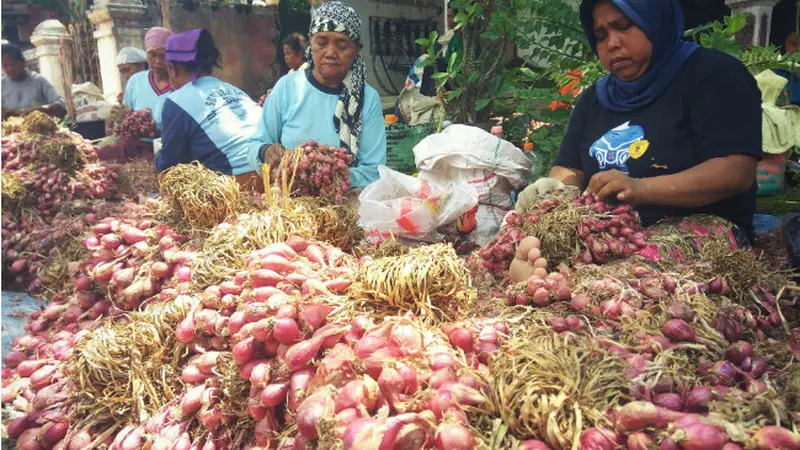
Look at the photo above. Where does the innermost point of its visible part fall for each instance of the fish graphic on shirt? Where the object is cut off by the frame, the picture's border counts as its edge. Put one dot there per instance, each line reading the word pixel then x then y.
pixel 616 146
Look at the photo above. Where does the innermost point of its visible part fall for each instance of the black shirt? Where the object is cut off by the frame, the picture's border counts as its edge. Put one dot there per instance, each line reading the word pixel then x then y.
pixel 711 109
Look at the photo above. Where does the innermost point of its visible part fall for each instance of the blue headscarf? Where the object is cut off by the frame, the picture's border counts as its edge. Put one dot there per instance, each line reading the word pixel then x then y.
pixel 662 22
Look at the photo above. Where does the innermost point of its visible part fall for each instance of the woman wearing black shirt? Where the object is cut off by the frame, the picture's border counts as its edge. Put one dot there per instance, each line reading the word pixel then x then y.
pixel 673 130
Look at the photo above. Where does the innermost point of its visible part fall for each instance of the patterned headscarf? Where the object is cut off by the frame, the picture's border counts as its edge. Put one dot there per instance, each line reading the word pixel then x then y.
pixel 338 17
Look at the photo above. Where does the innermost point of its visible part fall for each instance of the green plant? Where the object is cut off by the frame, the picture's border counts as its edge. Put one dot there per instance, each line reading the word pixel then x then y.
pixel 720 36
pixel 547 105
pixel 476 76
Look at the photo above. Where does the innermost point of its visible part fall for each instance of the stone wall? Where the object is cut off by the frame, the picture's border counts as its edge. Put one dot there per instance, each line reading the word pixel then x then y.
pixel 247 41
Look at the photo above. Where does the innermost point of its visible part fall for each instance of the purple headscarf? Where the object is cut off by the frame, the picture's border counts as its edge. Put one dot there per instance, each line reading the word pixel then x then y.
pixel 182 48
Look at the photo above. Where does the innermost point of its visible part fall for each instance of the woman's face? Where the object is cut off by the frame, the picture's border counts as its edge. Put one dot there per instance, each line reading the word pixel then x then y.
pixel 156 58
pixel 334 54
pixel 128 70
pixel 292 58
pixel 622 46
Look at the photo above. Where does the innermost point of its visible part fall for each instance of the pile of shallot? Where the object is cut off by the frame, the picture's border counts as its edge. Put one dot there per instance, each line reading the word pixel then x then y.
pixel 32 378
pixel 136 125
pixel 497 254
pixel 317 170
pixel 25 150
pixel 48 185
pixel 641 425
pixel 603 234
pixel 31 241
pixel 543 290
pixel 133 258
pixel 609 233
pixel 41 219
pixel 48 188
pixel 279 354
pixel 364 385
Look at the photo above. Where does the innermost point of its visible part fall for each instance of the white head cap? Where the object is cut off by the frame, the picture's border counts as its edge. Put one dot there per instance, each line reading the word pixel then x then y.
pixel 130 55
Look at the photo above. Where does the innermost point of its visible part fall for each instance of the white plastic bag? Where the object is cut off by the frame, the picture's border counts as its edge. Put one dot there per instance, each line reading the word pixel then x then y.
pixel 465 154
pixel 411 207
pixel 478 226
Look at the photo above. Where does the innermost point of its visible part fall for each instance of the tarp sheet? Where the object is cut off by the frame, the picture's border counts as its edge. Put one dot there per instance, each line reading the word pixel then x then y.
pixel 17 308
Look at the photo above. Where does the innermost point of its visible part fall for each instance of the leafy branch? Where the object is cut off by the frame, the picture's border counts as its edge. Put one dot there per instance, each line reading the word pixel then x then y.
pixel 476 79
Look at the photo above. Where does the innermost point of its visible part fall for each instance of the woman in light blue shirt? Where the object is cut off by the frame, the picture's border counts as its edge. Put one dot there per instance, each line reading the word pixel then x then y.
pixel 329 102
pixel 149 88
pixel 205 119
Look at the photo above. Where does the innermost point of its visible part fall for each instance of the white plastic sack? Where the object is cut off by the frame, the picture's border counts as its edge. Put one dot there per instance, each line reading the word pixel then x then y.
pixel 465 154
pixel 90 104
pixel 411 207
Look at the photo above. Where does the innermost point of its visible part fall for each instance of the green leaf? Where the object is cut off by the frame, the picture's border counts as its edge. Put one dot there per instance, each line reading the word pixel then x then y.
pixel 482 103
pixel 527 72
pixel 736 23
pixel 452 62
pixel 440 75
pixel 719 42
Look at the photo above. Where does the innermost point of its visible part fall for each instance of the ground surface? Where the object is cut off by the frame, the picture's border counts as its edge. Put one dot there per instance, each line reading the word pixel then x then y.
pixel 17 307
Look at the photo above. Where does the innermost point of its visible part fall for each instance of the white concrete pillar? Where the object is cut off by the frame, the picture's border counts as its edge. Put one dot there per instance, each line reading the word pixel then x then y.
pixel 106 50
pixel 761 12
pixel 47 38
pixel 118 24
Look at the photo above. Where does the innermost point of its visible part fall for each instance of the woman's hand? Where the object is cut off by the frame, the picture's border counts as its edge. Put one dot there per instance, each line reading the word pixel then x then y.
pixel 615 183
pixel 274 154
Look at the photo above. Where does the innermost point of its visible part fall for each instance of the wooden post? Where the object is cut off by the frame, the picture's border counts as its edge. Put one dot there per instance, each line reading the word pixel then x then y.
pixel 164 13
pixel 65 57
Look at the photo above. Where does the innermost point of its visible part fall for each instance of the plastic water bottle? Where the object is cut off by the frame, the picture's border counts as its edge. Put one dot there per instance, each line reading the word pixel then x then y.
pixel 536 165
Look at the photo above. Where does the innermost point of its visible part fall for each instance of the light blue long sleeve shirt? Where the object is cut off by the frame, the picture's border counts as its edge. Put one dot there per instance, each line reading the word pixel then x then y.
pixel 142 93
pixel 300 109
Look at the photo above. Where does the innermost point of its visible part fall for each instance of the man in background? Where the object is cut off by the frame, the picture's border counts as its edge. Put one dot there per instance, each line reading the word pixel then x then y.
pixel 25 91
